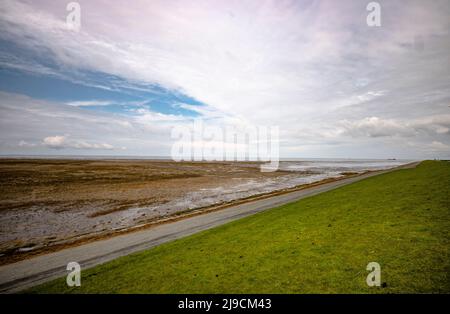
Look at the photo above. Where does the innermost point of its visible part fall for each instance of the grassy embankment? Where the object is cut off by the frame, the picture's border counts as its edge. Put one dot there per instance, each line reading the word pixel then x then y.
pixel 321 244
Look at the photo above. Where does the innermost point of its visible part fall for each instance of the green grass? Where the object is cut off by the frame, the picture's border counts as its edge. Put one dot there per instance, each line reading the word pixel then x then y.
pixel 321 244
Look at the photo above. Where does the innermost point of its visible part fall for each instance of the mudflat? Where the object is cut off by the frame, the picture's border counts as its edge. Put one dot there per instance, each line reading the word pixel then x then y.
pixel 46 202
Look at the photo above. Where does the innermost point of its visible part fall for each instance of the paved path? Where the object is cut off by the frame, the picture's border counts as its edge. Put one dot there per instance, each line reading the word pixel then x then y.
pixel 26 273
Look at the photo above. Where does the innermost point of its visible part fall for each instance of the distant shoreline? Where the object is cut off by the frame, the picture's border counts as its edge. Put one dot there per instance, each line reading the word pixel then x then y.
pixel 168 158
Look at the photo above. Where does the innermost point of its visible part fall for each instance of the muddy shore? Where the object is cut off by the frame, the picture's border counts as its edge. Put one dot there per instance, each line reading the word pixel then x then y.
pixel 49 204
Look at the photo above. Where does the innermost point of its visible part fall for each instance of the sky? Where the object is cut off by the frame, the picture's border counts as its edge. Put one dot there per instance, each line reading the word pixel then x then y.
pixel 333 85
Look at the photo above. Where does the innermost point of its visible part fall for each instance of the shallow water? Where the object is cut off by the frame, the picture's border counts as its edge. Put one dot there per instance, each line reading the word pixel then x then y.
pixel 302 172
pixel 39 225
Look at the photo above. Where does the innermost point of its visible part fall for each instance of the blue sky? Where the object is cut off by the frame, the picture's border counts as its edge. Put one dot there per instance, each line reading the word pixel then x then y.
pixel 333 85
pixel 113 93
pixel 119 100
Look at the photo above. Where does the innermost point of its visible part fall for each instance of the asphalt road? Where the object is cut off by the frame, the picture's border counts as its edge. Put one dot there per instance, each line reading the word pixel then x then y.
pixel 24 274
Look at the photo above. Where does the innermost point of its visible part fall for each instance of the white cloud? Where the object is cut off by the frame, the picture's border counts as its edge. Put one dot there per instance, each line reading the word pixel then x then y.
pixel 23 143
pixel 63 141
pixel 57 141
pixel 376 127
pixel 90 103
pixel 33 126
pixel 438 146
pixel 313 68
pixel 146 116
pixel 99 103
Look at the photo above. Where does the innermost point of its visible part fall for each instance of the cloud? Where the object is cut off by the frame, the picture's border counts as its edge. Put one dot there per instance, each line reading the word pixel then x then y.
pixel 99 103
pixel 90 103
pixel 33 126
pixel 314 68
pixel 62 141
pixel 23 143
pixel 57 141
pixel 376 127
pixel 146 116
pixel 438 146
